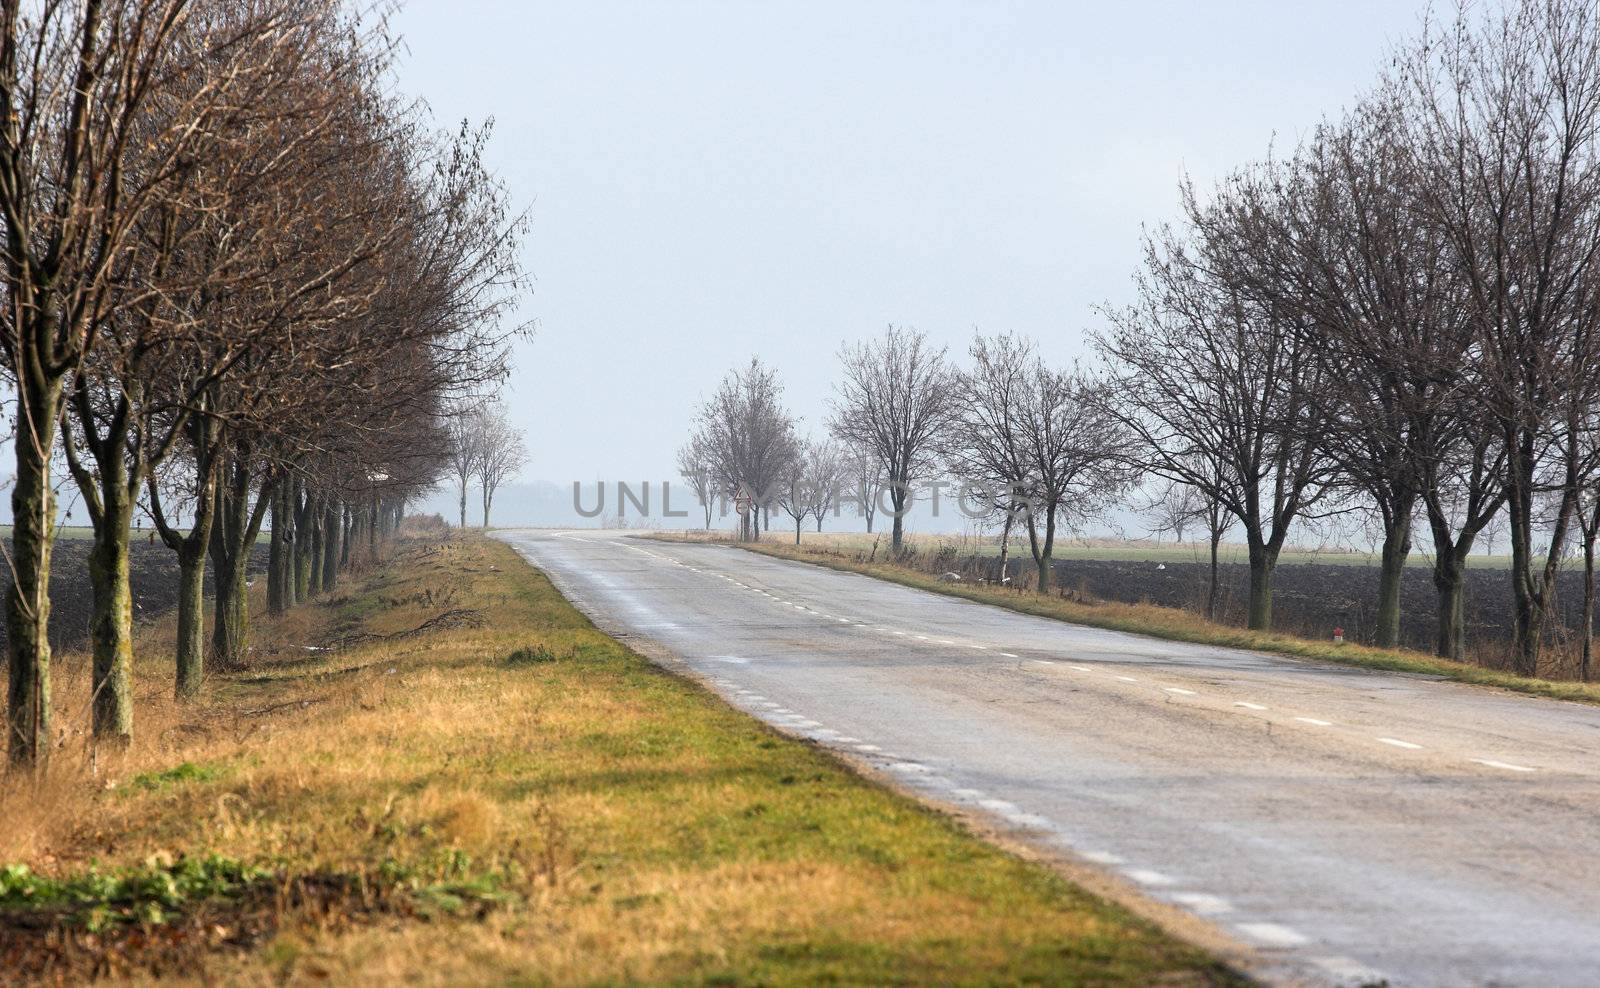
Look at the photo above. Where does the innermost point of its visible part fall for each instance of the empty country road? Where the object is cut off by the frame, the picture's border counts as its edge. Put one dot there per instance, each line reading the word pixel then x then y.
pixel 1351 826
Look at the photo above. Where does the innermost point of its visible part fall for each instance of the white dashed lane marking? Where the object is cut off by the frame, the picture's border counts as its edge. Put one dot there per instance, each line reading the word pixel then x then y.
pixel 1397 743
pixel 1506 766
pixel 1249 706
pixel 1179 690
pixel 1314 722
pixel 1203 903
pixel 1273 934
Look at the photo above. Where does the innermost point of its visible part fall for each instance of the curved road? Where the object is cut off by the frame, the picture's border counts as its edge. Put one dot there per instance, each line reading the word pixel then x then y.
pixel 1348 826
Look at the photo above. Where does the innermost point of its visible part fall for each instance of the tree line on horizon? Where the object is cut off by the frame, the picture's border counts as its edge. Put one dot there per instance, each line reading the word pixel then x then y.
pixel 1399 316
pixel 246 283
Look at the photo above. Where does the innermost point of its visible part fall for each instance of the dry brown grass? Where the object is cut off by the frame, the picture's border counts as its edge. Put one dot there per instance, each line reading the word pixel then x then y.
pixel 621 824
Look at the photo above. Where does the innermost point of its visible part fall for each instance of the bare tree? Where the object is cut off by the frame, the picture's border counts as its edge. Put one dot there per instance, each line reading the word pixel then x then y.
pixel 893 400
pixel 1215 382
pixel 794 494
pixel 1175 508
pixel 863 483
pixel 1503 135
pixel 1077 454
pixel 465 429
pixel 825 476
pixel 696 466
pixel 500 453
pixel 749 438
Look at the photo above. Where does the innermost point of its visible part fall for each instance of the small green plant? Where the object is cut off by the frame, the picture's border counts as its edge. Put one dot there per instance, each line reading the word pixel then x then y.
pixel 530 655
pixel 151 893
pixel 187 772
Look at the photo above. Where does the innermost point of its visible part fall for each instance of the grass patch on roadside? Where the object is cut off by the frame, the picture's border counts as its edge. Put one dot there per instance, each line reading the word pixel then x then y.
pixel 1179 625
pixel 515 798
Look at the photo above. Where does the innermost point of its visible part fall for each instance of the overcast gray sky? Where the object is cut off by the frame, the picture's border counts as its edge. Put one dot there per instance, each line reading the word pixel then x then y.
pixel 709 181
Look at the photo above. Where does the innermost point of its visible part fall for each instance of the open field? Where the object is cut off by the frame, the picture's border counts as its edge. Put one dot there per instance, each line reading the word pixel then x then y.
pixel 507 796
pixel 1105 549
pixel 153 571
pixel 1175 624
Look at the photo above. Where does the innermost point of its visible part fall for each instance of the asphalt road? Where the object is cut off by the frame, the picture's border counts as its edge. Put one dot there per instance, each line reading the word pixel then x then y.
pixel 1348 826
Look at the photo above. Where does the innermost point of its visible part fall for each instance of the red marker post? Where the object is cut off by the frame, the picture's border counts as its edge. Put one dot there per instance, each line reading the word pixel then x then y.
pixel 1338 636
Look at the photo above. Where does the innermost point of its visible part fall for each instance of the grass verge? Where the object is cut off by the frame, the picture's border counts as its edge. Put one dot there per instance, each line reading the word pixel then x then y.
pixel 444 774
pixel 1179 625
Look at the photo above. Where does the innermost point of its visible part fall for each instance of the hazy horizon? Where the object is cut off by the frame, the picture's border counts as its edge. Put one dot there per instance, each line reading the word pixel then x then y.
pixel 712 181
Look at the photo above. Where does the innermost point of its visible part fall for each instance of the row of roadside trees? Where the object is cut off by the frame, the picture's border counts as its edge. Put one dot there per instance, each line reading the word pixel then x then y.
pixel 1399 317
pixel 1031 446
pixel 243 280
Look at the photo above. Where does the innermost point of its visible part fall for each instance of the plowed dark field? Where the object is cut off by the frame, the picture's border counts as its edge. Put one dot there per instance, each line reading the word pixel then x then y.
pixel 154 572
pixel 1309 598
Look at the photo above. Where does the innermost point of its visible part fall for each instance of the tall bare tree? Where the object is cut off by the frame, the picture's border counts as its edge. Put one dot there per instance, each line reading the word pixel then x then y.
pixel 1504 136
pixel 1216 382
pixel 893 399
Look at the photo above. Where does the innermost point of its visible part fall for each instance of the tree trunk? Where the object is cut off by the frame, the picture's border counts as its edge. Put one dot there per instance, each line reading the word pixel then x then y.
pixel 191 548
pixel 231 614
pixel 332 529
pixel 233 533
pixel 1586 662
pixel 1449 580
pixel 1211 593
pixel 28 602
pixel 191 620
pixel 1263 560
pixel 1391 575
pixel 111 629
pixel 1005 548
pixel 1042 554
pixel 315 578
pixel 463 504
pixel 300 503
pixel 278 576
pixel 897 532
pixel 1528 608
pixel 797 530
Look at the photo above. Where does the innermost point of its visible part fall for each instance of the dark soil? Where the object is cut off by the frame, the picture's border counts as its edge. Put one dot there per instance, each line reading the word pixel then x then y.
pixel 153 571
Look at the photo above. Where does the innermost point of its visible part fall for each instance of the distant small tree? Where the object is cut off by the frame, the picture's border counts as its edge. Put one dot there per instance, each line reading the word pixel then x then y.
pixel 1175 508
pixel 500 454
pixel 464 429
pixel 862 476
pixel 825 475
pixel 696 466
